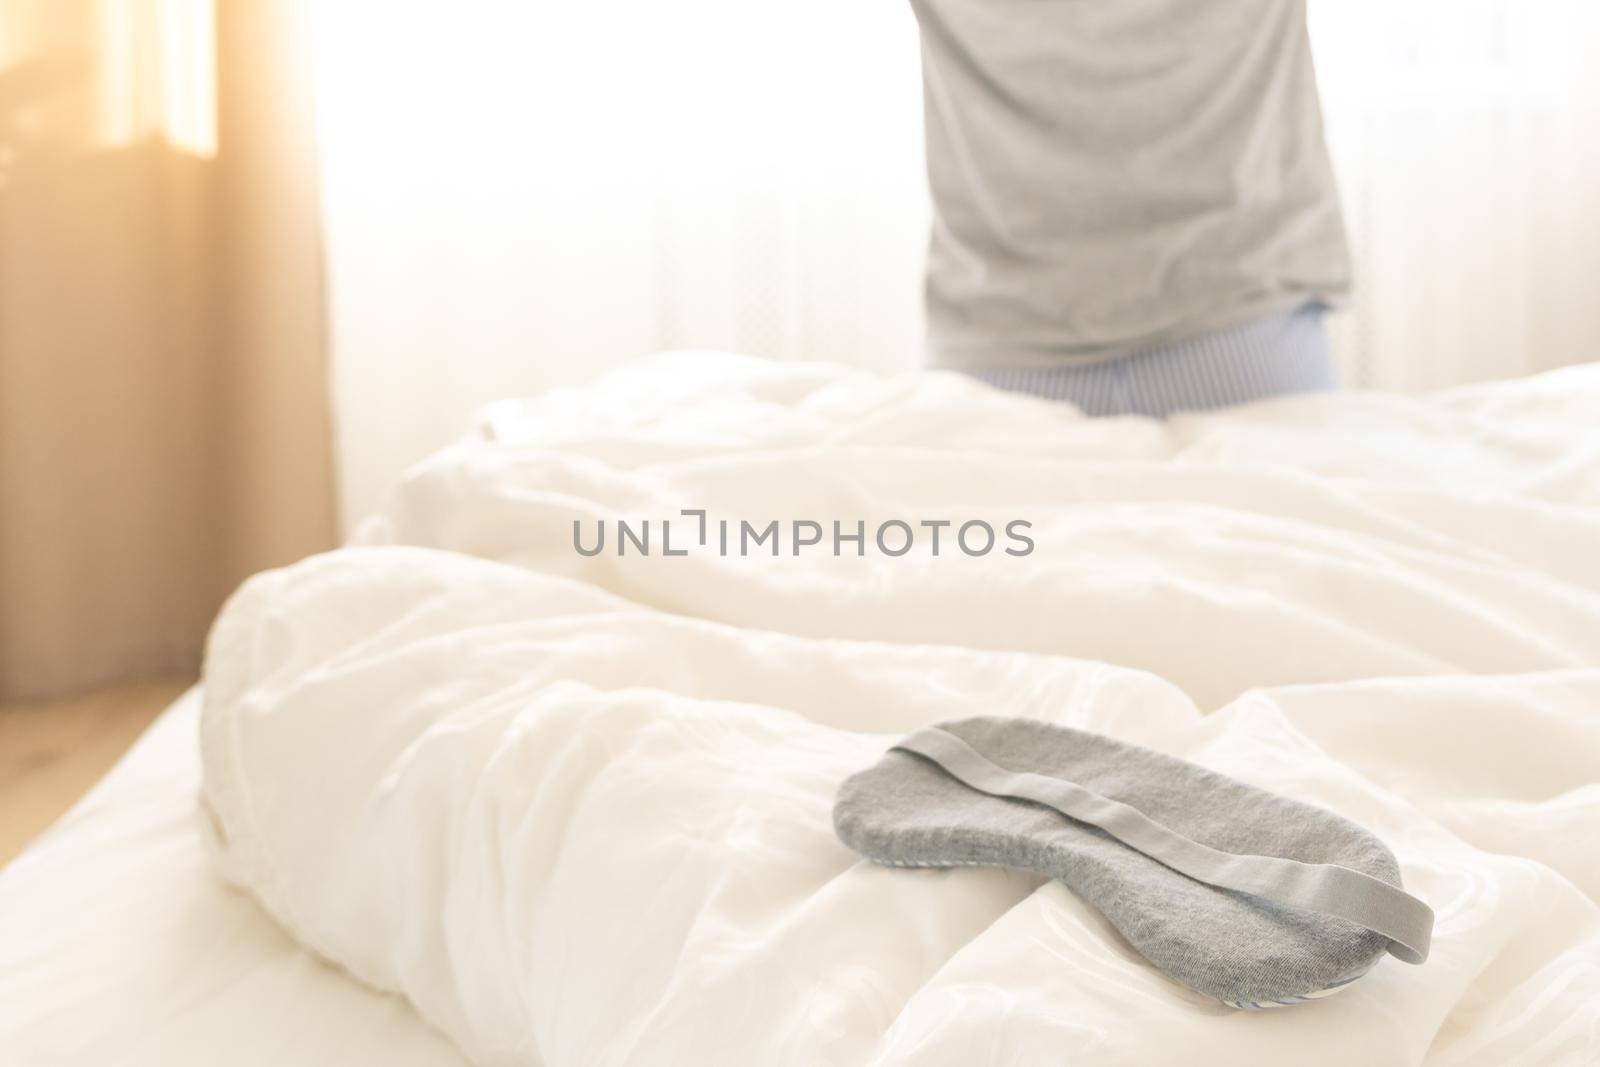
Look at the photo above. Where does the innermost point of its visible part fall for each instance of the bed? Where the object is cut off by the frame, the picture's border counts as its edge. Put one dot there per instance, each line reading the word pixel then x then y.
pixel 119 946
pixel 475 795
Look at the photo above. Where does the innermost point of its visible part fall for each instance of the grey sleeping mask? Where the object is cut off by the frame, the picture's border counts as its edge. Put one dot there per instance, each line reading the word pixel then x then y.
pixel 1243 895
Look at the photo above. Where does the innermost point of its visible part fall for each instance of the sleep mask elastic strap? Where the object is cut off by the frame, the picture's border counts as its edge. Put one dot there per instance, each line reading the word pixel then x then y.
pixel 1320 887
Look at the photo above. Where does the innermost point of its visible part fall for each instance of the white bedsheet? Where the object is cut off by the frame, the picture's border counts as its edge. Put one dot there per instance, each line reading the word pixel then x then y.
pixel 119 948
pixel 576 809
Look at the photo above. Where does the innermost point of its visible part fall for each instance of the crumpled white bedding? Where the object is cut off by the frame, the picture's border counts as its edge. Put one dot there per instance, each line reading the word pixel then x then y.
pixel 120 948
pixel 576 809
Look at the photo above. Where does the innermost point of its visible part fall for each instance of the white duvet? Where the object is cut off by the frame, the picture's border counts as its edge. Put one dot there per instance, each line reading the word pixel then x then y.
pixel 576 809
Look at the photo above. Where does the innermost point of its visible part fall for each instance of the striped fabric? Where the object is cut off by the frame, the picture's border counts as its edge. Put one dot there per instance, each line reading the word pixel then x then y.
pixel 1283 353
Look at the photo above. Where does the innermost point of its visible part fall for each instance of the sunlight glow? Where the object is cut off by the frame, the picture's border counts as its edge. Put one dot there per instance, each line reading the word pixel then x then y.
pixel 189 75
pixel 158 73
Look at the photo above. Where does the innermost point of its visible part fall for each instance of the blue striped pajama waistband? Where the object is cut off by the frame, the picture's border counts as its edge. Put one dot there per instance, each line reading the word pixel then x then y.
pixel 1283 353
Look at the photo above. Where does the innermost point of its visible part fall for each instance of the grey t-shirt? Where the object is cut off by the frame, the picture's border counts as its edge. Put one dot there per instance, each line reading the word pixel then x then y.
pixel 1112 174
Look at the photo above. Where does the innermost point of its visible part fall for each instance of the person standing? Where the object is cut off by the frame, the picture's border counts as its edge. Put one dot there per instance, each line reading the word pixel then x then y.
pixel 1134 206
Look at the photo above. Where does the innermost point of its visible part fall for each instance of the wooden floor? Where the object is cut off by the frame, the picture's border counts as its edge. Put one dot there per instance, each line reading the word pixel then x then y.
pixel 52 752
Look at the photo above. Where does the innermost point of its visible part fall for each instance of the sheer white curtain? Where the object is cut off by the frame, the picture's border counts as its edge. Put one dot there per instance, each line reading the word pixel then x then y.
pixel 520 195
pixel 1466 136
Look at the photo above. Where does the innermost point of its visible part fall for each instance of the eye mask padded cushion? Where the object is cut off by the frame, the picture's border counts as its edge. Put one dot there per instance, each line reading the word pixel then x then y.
pixel 909 810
